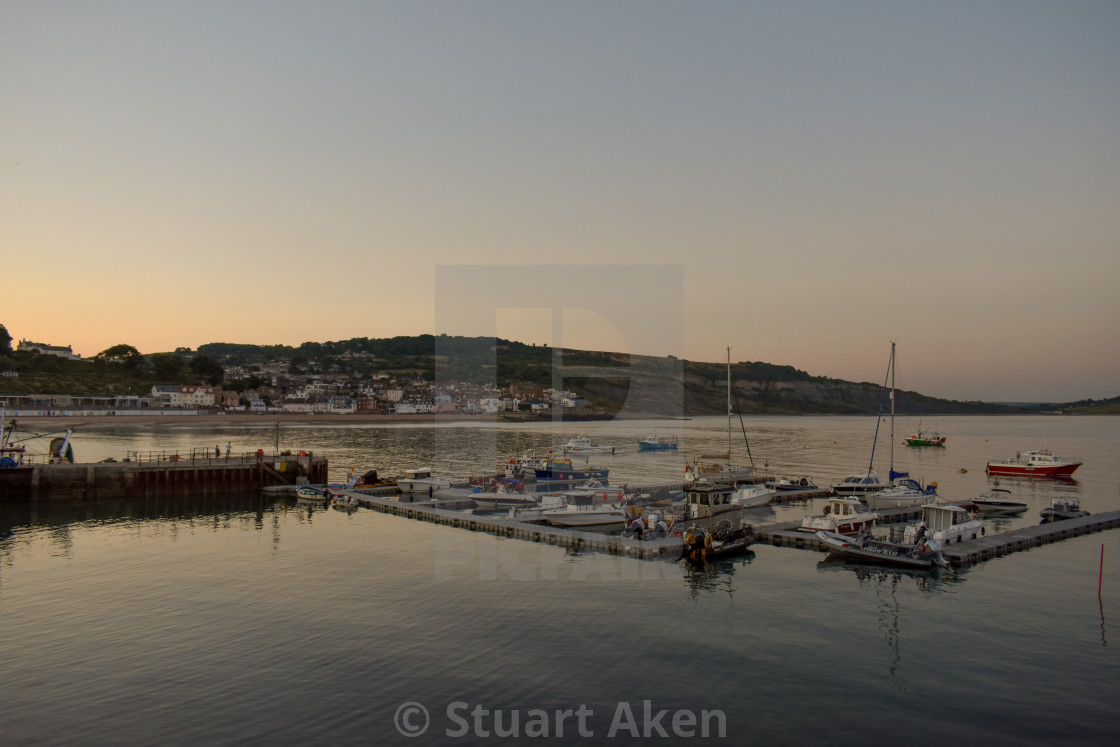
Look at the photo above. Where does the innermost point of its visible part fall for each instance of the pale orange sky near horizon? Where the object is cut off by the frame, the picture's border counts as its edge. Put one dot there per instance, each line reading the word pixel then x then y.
pixel 822 178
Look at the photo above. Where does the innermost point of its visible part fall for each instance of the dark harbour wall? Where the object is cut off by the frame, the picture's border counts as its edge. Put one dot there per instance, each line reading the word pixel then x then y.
pixel 107 480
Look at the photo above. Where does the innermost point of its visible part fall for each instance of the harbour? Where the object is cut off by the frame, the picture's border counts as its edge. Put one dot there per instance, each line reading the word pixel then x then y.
pixel 143 613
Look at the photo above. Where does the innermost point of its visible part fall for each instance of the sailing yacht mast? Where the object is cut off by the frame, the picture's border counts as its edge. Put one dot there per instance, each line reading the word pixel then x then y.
pixel 729 405
pixel 890 474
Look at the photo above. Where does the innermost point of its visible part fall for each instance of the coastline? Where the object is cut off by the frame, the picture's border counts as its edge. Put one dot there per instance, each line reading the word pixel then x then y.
pixel 267 419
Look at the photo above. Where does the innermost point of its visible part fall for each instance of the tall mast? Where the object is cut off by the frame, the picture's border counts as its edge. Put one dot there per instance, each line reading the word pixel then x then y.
pixel 729 404
pixel 890 477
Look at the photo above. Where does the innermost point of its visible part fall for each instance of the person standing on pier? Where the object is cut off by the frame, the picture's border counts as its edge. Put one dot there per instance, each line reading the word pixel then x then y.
pixel 217 452
pixel 229 447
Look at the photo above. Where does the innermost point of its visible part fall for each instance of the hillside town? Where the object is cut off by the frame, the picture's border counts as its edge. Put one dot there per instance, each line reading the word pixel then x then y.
pixel 277 390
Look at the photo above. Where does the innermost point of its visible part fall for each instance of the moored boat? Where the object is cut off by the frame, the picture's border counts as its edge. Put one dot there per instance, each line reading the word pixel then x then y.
pixel 562 473
pixel 944 523
pixel 420 480
pixel 920 438
pixel 860 484
pixel 1063 507
pixel 719 542
pixel 905 493
pixel 583 445
pixel 313 495
pixel 653 442
pixel 841 516
pixel 998 501
pixel 752 496
pixel 925 555
pixel 1039 463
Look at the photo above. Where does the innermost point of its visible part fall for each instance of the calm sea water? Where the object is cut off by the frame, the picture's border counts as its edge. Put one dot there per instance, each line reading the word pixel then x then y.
pixel 250 619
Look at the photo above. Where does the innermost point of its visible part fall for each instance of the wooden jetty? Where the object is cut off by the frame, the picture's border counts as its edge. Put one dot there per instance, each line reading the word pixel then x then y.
pixel 166 477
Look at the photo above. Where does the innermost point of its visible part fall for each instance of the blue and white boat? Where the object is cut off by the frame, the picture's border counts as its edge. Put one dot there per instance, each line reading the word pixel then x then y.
pixel 561 472
pixel 653 442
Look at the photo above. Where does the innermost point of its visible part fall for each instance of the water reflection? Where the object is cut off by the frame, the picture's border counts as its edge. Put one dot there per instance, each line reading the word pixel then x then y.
pixel 885 582
pixel 708 576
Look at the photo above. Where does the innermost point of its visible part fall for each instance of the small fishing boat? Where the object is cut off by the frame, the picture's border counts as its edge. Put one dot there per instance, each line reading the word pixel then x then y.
pixel 841 516
pixel 703 500
pixel 919 438
pixel 344 501
pixel 925 555
pixel 998 501
pixel 944 523
pixel 654 442
pixel 314 495
pixel 583 445
pixel 1040 463
pixel 1063 507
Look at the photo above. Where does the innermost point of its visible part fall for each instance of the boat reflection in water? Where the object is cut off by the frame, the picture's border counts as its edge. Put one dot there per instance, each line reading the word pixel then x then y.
pixel 886 582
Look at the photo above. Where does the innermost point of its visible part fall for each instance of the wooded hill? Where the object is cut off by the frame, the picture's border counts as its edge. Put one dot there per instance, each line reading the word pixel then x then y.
pixel 613 381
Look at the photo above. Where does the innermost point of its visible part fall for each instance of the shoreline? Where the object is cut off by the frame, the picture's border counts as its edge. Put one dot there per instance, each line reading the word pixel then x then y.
pixel 268 419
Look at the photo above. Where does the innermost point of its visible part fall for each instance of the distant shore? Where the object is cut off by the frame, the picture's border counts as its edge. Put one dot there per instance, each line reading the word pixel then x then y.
pixel 59 422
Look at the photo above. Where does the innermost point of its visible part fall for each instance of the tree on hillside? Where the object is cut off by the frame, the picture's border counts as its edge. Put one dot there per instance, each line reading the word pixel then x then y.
pixel 167 366
pixel 5 340
pixel 125 354
pixel 207 369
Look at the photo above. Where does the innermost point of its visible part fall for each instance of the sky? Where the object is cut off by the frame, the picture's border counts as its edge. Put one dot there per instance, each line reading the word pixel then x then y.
pixel 803 182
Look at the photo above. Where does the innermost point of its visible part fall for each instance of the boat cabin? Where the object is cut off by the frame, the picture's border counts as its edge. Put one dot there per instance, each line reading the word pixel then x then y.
pixel 706 499
pixel 844 507
pixel 421 473
pixel 942 518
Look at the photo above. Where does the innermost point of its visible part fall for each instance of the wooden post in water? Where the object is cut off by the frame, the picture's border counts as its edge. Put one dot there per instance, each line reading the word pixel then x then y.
pixel 1100 578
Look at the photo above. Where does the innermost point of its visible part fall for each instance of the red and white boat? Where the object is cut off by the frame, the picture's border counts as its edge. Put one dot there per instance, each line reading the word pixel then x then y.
pixel 1034 464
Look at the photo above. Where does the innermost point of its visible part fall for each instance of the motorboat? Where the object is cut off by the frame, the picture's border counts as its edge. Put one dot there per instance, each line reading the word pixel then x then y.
pixel 1039 463
pixel 841 516
pixel 587 494
pixel 906 493
pixel 944 523
pixel 795 483
pixel 1063 507
pixel 420 480
pixel 920 438
pixel 585 509
pixel 345 501
pixel 752 496
pixel 925 555
pixel 860 484
pixel 501 498
pixel 998 501
pixel 583 445
pixel 719 542
pixel 654 442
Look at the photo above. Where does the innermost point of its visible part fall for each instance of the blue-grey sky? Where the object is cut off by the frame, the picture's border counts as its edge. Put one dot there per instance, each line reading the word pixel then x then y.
pixel 825 176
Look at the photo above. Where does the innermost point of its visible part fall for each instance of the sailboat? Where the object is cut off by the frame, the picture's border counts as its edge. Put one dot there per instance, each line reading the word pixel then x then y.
pixel 718 467
pixel 903 491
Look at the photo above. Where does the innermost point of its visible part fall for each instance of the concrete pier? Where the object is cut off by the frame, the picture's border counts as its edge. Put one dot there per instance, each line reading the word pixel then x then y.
pixel 171 477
